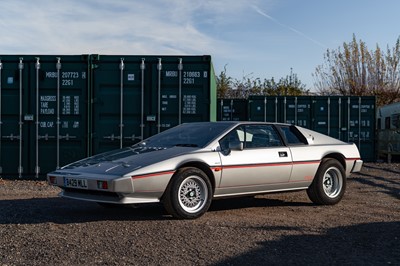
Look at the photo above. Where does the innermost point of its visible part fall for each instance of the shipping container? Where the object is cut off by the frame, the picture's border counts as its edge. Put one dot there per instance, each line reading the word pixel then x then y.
pixel 56 109
pixel 388 125
pixel 134 97
pixel 43 116
pixel 232 110
pixel 348 118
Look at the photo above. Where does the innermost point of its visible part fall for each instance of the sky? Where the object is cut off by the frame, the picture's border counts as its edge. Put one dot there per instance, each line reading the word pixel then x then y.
pixel 250 38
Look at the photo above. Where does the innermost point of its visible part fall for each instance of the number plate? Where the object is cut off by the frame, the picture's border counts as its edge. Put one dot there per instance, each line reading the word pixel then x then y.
pixel 75 183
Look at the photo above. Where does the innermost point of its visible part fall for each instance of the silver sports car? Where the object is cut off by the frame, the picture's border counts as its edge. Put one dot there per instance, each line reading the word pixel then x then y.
pixel 189 165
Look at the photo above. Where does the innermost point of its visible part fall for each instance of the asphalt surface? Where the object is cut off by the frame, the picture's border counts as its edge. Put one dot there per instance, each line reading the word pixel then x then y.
pixel 39 228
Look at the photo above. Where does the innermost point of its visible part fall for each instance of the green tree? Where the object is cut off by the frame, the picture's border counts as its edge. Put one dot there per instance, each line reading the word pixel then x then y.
pixel 228 87
pixel 224 83
pixel 290 85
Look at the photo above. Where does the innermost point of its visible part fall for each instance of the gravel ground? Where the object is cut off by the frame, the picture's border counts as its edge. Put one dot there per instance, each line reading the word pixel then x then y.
pixel 38 228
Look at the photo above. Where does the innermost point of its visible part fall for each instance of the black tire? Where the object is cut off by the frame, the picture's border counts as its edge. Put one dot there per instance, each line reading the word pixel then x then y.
pixel 329 183
pixel 189 194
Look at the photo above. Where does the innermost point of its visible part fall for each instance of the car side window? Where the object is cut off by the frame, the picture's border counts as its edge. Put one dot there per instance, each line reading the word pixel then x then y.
pixel 293 136
pixel 261 136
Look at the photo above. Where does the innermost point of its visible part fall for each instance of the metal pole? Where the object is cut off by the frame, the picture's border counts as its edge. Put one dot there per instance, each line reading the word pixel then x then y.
pixel 295 111
pixel 329 116
pixel 348 118
pixel 142 68
pixel 231 118
pixel 222 109
pixel 359 122
pixel 37 168
pixel 276 109
pixel 159 68
pixel 180 68
pixel 121 110
pixel 284 110
pixel 20 67
pixel 58 67
pixel 340 118
pixel 265 109
pixel 1 122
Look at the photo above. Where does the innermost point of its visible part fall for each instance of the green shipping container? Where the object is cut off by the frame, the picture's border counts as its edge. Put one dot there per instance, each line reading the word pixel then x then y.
pixel 43 113
pixel 348 118
pixel 232 110
pixel 283 109
pixel 134 97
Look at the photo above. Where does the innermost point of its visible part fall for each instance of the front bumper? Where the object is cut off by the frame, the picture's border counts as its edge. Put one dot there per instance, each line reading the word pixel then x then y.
pixel 357 166
pixel 107 197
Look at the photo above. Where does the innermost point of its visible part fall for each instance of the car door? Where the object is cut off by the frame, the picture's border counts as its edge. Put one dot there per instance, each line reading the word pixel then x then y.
pixel 253 159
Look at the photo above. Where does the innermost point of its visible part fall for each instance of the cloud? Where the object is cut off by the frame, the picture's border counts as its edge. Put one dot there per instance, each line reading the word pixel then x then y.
pixel 108 27
pixel 262 13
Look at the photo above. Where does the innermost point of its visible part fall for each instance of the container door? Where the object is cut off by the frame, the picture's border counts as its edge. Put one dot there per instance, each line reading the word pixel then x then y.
pixel 58 106
pixel 14 138
pixel 297 111
pixel 118 90
pixel 264 108
pixel 327 116
pixel 232 110
pixel 43 99
pixel 181 91
pixel 361 125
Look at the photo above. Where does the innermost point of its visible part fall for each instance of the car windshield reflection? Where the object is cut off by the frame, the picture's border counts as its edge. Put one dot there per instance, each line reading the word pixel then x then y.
pixel 187 135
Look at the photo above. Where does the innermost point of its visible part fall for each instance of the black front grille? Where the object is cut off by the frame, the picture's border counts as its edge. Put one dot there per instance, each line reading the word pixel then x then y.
pixel 92 192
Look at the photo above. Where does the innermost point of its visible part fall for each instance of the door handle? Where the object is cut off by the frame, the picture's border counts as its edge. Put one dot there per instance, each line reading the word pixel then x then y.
pixel 282 154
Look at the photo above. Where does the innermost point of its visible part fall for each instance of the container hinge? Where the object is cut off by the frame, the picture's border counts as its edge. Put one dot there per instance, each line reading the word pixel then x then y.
pixel 133 137
pixel 112 137
pixel 46 137
pixel 11 137
pixel 67 137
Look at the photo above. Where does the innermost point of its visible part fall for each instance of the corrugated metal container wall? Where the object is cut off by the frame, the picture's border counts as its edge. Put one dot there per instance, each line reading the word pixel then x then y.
pixel 328 116
pixel 264 109
pixel 44 100
pixel 284 109
pixel 351 119
pixel 232 110
pixel 135 97
pixel 348 118
pixel 14 93
pixel 361 116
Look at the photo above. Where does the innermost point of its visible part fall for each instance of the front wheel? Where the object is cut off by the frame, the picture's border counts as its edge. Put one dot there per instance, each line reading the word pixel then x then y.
pixel 329 183
pixel 189 194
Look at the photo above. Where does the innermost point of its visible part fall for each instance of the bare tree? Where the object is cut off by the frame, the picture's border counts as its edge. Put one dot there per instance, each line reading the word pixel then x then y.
pixel 354 70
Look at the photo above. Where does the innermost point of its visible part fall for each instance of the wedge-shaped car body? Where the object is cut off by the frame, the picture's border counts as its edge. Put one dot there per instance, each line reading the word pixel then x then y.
pixel 189 165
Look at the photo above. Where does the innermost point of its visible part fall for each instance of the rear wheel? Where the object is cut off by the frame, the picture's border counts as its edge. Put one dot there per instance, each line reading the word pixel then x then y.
pixel 329 183
pixel 189 194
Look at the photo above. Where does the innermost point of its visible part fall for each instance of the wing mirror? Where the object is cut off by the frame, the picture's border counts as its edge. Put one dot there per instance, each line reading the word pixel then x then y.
pixel 236 145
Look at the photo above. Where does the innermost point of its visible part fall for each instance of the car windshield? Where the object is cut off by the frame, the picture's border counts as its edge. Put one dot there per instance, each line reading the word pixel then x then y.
pixel 187 135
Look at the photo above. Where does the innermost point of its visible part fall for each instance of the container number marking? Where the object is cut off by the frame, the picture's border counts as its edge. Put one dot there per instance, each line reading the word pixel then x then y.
pixel 190 76
pixel 70 75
